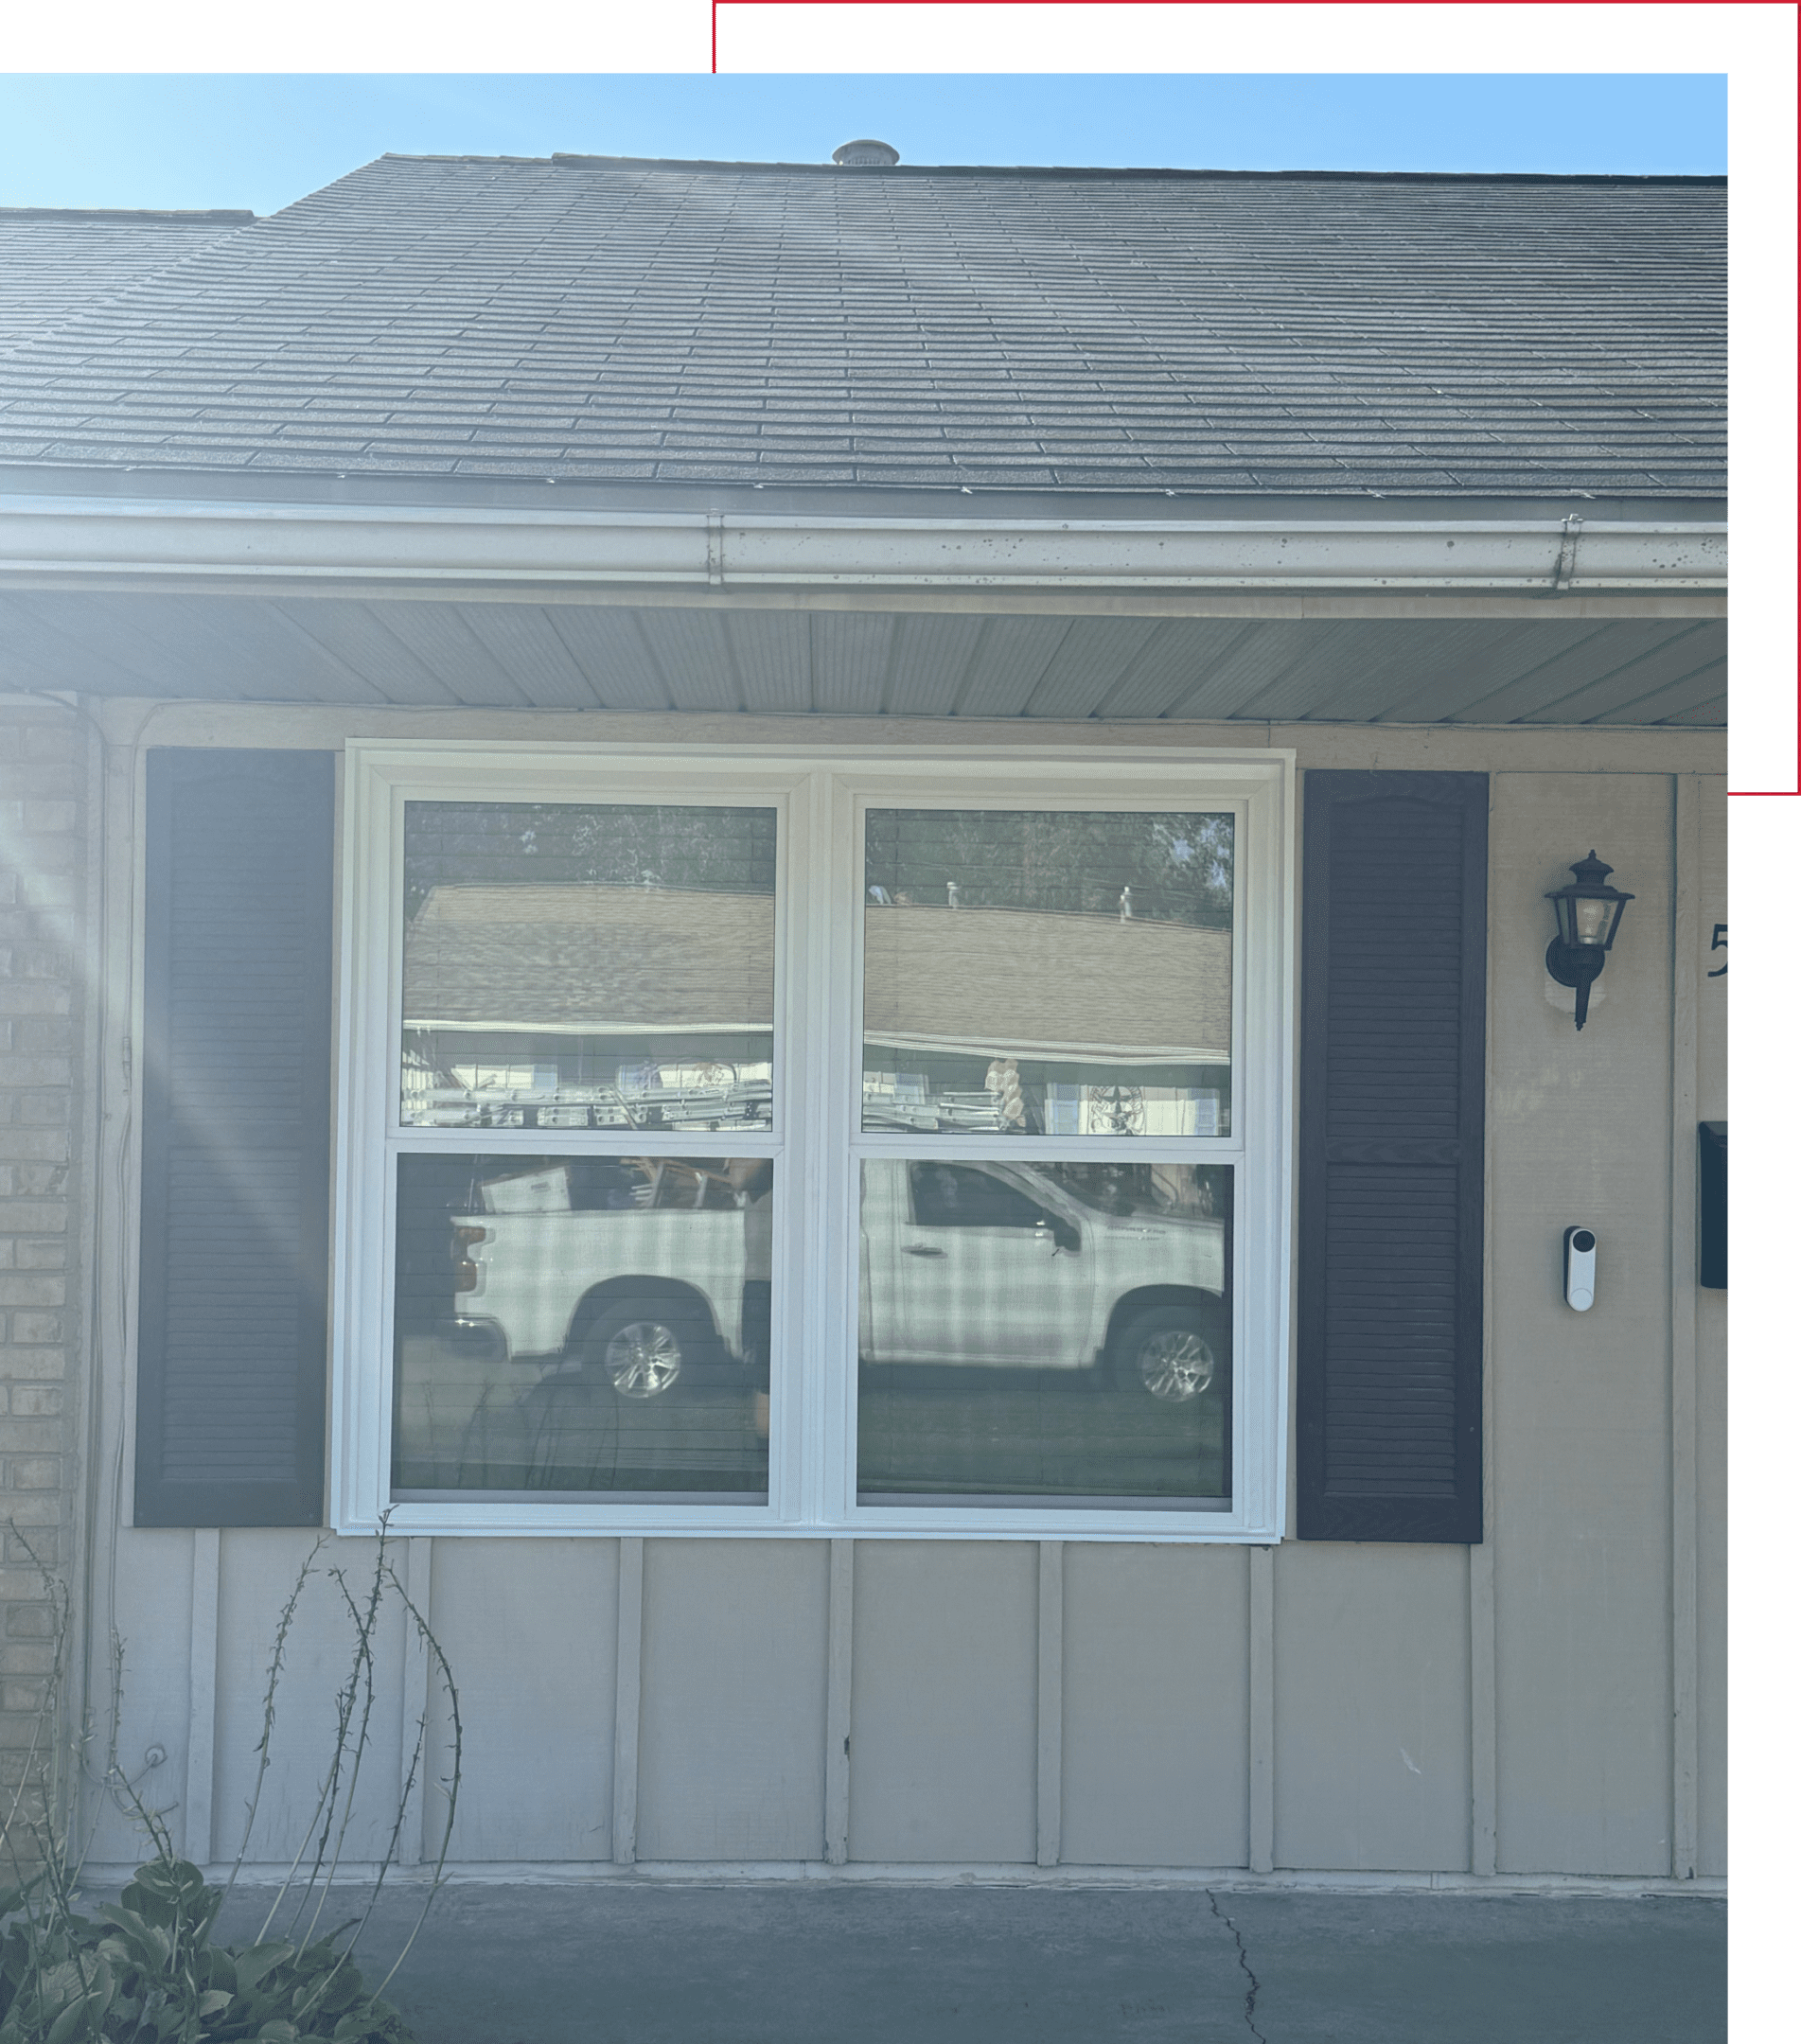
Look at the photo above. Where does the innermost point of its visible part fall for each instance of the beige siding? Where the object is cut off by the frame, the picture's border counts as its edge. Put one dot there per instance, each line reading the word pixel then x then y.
pixel 529 1629
pixel 944 1701
pixel 1373 1707
pixel 154 1614
pixel 732 1717
pixel 1155 1685
pixel 1580 1130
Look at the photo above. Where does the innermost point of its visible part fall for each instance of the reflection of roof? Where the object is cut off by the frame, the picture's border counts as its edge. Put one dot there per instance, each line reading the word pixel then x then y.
pixel 1007 981
pixel 583 957
pixel 1018 981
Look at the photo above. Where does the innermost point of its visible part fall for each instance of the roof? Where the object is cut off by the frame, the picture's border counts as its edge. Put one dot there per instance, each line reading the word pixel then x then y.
pixel 607 959
pixel 960 329
pixel 57 261
pixel 590 959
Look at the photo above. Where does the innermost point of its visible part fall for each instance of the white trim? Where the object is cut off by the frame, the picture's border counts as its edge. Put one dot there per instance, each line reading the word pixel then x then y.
pixel 75 539
pixel 817 1139
pixel 1685 1498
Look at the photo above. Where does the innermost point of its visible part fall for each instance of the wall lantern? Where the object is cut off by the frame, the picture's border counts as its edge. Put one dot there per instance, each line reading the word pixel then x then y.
pixel 1588 913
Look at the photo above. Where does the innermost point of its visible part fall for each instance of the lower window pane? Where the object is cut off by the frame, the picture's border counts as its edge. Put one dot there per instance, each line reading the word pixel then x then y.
pixel 582 1324
pixel 1045 1330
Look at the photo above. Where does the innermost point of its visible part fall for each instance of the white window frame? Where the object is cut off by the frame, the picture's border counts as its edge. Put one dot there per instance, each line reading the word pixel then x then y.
pixel 819 794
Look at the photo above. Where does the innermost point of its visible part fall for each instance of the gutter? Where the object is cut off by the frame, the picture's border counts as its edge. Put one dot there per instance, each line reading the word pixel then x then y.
pixel 68 541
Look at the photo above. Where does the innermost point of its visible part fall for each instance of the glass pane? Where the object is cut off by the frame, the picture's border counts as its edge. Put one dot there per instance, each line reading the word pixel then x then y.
pixel 572 965
pixel 1037 974
pixel 582 1324
pixel 1045 1330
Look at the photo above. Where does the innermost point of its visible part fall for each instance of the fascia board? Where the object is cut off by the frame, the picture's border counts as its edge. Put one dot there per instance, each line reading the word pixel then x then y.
pixel 59 539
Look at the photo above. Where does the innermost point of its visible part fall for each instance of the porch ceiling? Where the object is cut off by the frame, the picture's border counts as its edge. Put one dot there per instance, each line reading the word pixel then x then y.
pixel 571 656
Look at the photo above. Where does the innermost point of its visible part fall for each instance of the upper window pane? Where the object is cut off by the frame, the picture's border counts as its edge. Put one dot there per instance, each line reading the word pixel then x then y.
pixel 588 965
pixel 1032 973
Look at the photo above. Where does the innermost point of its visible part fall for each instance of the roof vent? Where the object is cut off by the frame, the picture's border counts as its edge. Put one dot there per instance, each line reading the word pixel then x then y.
pixel 866 155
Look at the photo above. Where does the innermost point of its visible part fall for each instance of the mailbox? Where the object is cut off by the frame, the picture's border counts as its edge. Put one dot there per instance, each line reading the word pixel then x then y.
pixel 1713 1205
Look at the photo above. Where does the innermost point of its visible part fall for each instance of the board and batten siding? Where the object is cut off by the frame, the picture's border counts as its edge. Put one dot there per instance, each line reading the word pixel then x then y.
pixel 1326 1706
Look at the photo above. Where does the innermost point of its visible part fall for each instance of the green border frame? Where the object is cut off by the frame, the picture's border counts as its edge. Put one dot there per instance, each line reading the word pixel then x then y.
pixel 1757 48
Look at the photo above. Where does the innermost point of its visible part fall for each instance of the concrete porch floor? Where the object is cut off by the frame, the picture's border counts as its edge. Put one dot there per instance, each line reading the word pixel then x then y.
pixel 861 1963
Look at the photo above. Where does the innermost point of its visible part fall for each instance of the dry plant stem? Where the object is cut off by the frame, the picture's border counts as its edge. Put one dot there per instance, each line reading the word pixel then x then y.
pixel 55 1868
pixel 364 1624
pixel 443 1667
pixel 282 1629
pixel 325 1810
pixel 364 1663
pixel 59 1857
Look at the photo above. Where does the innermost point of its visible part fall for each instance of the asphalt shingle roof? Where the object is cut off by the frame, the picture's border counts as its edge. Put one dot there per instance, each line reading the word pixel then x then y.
pixel 55 262
pixel 601 319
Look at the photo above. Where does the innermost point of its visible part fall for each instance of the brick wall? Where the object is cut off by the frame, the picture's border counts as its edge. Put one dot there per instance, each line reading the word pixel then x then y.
pixel 43 783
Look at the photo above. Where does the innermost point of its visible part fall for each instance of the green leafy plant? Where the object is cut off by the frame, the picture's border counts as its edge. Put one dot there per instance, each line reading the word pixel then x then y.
pixel 144 1971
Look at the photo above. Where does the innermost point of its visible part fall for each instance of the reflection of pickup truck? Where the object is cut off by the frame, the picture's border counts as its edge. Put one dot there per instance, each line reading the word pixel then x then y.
pixel 1000 1265
pixel 991 1266
pixel 676 1275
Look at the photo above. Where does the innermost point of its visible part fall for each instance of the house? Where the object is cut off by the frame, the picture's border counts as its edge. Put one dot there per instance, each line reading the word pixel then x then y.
pixel 977 754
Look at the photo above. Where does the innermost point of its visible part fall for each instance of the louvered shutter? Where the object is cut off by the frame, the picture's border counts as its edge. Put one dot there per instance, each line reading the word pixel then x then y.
pixel 1393 957
pixel 231 1352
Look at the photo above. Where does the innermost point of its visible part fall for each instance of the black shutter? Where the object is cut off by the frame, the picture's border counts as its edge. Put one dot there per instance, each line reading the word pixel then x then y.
pixel 231 1348
pixel 1393 973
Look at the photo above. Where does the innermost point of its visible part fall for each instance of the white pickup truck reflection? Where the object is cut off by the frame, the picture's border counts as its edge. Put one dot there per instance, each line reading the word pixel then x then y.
pixel 990 1265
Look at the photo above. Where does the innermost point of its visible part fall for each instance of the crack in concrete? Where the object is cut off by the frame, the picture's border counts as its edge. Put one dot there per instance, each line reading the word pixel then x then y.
pixel 1256 1985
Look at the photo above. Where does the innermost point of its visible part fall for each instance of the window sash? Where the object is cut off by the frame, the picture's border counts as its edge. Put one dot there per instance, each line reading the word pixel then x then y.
pixel 820 796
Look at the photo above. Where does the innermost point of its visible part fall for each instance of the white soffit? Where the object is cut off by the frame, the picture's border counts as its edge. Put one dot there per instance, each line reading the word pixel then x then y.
pixel 1551 669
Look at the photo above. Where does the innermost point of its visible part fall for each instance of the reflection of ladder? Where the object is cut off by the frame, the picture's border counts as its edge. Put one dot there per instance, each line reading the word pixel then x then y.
pixel 680 1176
pixel 983 1110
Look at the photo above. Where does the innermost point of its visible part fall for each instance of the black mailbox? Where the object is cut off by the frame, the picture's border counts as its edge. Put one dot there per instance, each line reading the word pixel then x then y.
pixel 1713 1205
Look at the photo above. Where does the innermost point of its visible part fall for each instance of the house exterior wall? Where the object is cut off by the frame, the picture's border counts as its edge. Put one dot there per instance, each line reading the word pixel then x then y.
pixel 1335 1709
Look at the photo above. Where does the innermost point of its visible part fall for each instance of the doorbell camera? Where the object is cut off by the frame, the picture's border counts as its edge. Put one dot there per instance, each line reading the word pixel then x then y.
pixel 1578 1267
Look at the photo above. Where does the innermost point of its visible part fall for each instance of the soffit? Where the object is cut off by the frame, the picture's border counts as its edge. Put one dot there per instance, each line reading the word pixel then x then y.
pixel 568 655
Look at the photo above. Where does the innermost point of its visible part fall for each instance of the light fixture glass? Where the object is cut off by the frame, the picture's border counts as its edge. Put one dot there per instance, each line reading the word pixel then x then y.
pixel 1588 913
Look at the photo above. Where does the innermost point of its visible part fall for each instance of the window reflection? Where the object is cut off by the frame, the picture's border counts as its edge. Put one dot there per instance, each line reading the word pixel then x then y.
pixel 582 1324
pixel 1046 974
pixel 588 967
pixel 1045 1330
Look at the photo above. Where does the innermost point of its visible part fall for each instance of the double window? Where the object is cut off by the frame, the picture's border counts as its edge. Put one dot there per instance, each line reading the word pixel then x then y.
pixel 752 1143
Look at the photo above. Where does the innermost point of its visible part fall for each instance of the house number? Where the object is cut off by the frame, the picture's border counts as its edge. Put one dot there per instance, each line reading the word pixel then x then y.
pixel 1719 944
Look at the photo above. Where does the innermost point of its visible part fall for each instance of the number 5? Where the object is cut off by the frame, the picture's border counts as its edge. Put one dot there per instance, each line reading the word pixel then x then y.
pixel 1719 944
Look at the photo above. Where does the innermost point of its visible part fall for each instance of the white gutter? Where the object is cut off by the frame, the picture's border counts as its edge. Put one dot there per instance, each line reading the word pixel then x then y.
pixel 54 539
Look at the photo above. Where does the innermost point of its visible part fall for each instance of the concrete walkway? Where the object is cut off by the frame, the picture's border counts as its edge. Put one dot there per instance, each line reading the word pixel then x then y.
pixel 853 1962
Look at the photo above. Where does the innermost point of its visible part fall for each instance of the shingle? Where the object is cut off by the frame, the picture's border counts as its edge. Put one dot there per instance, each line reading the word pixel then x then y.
pixel 1001 329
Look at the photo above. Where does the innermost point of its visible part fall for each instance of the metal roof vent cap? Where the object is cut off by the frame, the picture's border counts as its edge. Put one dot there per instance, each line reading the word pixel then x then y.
pixel 866 155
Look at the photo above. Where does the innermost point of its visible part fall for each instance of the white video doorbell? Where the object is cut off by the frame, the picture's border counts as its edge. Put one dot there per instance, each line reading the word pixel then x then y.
pixel 1578 1267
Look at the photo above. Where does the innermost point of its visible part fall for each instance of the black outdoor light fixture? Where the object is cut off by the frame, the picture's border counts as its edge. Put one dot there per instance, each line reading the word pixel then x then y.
pixel 1588 913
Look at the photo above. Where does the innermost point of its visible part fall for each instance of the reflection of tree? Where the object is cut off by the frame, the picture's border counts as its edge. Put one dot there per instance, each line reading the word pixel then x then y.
pixel 722 851
pixel 1177 866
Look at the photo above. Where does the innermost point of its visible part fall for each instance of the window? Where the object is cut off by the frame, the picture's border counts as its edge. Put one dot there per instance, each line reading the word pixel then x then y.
pixel 755 1143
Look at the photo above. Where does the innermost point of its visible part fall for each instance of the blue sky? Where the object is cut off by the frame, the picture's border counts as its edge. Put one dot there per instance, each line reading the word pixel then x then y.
pixel 264 140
